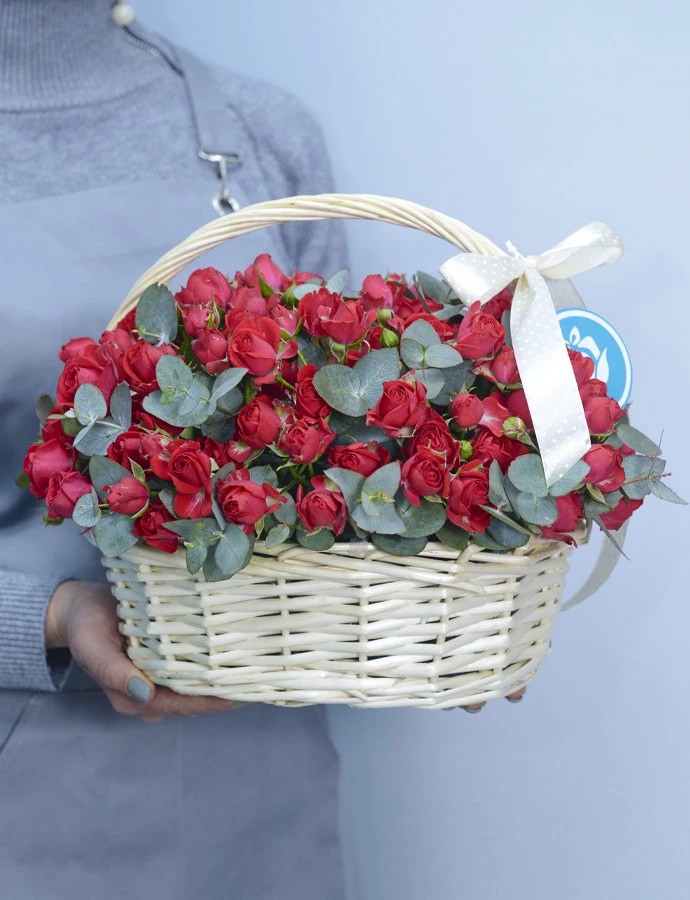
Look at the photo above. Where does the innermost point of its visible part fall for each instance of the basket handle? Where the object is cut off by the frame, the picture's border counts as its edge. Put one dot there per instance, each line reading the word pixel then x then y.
pixel 307 207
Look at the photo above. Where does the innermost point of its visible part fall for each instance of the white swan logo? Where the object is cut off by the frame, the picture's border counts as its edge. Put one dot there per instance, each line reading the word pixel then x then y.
pixel 593 336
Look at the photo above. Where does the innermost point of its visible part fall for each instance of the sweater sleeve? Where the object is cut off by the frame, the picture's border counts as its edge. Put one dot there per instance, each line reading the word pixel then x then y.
pixel 24 662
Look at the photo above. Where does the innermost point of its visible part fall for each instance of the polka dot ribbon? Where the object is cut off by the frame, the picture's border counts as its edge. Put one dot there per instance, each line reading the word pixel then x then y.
pixel 540 351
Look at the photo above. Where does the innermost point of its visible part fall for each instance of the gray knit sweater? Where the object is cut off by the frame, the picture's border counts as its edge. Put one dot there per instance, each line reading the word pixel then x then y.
pixel 74 91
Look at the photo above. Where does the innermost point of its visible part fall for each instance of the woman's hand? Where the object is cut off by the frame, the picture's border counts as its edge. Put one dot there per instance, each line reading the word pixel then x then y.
pixel 82 616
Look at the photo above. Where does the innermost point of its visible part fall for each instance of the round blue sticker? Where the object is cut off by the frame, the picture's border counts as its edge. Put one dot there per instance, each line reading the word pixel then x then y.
pixel 593 336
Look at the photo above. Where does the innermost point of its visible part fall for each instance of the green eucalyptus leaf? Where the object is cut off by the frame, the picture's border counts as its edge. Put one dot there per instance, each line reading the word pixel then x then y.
pixel 505 322
pixel 397 545
pixel 230 403
pixel 506 520
pixel 156 316
pixel 637 441
pixel 231 550
pixel 373 369
pixel 432 287
pixel 449 310
pixel 422 333
pixel 195 557
pixel 113 534
pixel 453 536
pixel 341 388
pixel 527 474
pixel 104 471
pixel 167 498
pixel 350 483
pixel 613 498
pixel 277 535
pixel 263 475
pixel 497 491
pixel 485 540
pixel 172 373
pixel 44 406
pixel 442 356
pixel 387 521
pixel 372 507
pixel 384 481
pixel 432 379
pixel 318 540
pixel 226 381
pixel 23 481
pixel 337 283
pixel 423 520
pixel 661 490
pixel 412 353
pixel 287 513
pixel 193 530
pixel 456 378
pixel 121 405
pixel 537 510
pixel 592 508
pixel 642 468
pixel 572 478
pixel 212 572
pixel 507 534
pixel 86 510
pixel 89 404
pixel 94 439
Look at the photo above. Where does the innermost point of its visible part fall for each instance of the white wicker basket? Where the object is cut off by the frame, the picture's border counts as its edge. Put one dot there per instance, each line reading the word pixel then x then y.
pixel 353 624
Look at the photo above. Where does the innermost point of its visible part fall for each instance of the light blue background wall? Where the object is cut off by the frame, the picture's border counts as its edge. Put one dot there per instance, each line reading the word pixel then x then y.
pixel 526 120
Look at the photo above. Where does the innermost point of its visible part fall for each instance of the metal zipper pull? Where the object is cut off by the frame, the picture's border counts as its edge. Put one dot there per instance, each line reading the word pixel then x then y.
pixel 223 202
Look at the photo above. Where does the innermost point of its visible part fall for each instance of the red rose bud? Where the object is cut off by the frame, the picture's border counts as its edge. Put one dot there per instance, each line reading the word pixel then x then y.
pixel 83 346
pixel 64 489
pixel 504 368
pixel 569 513
pixel 498 304
pixel 620 513
pixel 495 413
pixel 514 427
pixel 272 274
pixel 195 316
pixel 127 448
pixel 583 366
pixel 305 441
pixel 466 450
pixel 347 322
pixel 433 435
pixel 157 449
pixel 466 410
pixel 285 318
pixel 258 424
pixel 190 470
pixel 592 388
pixel 401 408
pixel 469 491
pixel 480 336
pixel 315 306
pixel 128 496
pixel 377 293
pixel 208 285
pixel 250 299
pixel 516 401
pixel 389 338
pixel 138 365
pixel 116 343
pixel 601 413
pixel 605 467
pixel 424 475
pixel 243 501
pixel 211 349
pixel 321 507
pixel 308 403
pixel 42 461
pixel 84 370
pixel 504 450
pixel 149 527
pixel 253 345
pixel 362 457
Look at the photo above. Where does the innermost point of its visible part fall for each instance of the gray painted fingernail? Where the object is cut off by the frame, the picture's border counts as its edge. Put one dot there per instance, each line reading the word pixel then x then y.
pixel 139 689
pixel 238 704
pixel 515 699
pixel 467 709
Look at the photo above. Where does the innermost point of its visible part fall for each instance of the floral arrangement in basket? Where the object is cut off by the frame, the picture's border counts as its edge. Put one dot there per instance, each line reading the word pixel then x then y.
pixel 288 409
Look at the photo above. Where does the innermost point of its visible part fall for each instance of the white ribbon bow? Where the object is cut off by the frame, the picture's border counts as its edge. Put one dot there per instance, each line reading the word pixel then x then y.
pixel 540 351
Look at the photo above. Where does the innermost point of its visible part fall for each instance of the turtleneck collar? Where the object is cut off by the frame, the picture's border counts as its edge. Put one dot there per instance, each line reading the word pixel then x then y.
pixel 62 53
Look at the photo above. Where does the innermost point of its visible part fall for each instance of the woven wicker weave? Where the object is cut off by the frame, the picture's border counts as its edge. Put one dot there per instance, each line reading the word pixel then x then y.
pixel 353 624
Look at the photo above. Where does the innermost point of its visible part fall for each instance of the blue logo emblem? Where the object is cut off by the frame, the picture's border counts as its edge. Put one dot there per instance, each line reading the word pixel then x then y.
pixel 593 336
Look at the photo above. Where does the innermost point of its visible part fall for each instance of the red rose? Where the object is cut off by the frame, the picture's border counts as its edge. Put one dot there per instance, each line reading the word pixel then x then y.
pixel 304 277
pixel 502 368
pixel 620 513
pixel 363 457
pixel 157 449
pixel 467 410
pixel 469 491
pixel 583 366
pixel 42 461
pixel 243 501
pixel 308 403
pixel 84 370
pixel 190 470
pixel 592 388
pixel 127 448
pixel 605 467
pixel 347 321
pixel 117 342
pixel 195 315
pixel 401 408
pixel 498 304
pixel 313 307
pixel 253 345
pixel 377 293
pixel 433 435
pixel 321 508
pixel 272 274
pixel 211 349
pixel 128 496
pixel 250 299
pixel 479 335
pixel 504 450
pixel 305 441
pixel 516 401
pixel 64 489
pixel 424 475
pixel 258 424
pixel 569 513
pixel 53 430
pixel 601 413
pixel 286 318
pixel 495 413
pixel 138 365
pixel 149 527
pixel 215 451
pixel 207 285
pixel 442 329
pixel 83 346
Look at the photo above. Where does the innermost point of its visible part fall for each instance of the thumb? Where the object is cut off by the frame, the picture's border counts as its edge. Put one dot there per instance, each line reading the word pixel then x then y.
pixel 96 644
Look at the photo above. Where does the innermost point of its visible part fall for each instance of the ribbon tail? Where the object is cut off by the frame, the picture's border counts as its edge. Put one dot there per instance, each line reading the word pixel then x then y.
pixel 547 377
pixel 475 276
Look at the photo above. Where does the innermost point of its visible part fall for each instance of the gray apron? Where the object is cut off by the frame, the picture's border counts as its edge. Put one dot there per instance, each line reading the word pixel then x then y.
pixel 235 806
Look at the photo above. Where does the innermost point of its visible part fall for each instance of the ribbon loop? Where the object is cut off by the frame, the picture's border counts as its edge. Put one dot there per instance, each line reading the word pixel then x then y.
pixel 540 352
